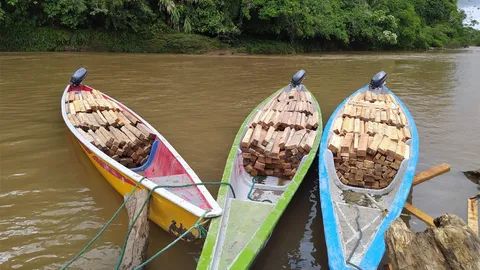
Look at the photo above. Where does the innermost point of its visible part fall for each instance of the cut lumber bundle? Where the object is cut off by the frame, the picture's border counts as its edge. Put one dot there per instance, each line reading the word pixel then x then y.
pixel 281 133
pixel 107 126
pixel 368 140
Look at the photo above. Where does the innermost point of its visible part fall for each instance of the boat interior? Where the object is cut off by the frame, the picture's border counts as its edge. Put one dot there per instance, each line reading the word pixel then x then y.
pixel 163 168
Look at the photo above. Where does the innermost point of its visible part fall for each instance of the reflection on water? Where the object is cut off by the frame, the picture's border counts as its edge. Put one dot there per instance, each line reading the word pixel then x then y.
pixel 52 200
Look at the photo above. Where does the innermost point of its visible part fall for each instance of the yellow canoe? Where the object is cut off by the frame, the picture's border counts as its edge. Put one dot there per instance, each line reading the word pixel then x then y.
pixel 173 209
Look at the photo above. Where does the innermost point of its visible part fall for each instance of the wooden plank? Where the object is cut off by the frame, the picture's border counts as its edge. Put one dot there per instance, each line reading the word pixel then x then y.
pixel 403 119
pixel 98 142
pixel 392 133
pixel 122 138
pixel 149 133
pixel 123 120
pixel 276 144
pixel 368 95
pixel 407 133
pixel 371 116
pixel 70 96
pixel 356 126
pixel 103 139
pixel 337 125
pixel 472 216
pixel 100 120
pixel 335 143
pixel 246 139
pixel 383 117
pixel 92 120
pixel 109 118
pixel 136 132
pixel 303 122
pixel 315 119
pixel 130 117
pixel 263 134
pixel 257 133
pixel 378 116
pixel 87 106
pixel 391 149
pixel 419 214
pixel 107 135
pixel 400 152
pixel 431 173
pixel 268 136
pixel 296 139
pixel 72 108
pixel 363 145
pixel 114 116
pixel 87 136
pixel 257 117
pixel 355 142
pixel 130 135
pixel 346 125
pixel 270 144
pixel 383 146
pixel 284 137
pixel 346 142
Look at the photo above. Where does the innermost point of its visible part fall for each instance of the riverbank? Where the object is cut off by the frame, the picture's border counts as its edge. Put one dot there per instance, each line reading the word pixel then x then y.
pixel 41 39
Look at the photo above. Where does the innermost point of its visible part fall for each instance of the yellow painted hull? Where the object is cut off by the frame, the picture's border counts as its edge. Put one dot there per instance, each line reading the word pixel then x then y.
pixel 166 214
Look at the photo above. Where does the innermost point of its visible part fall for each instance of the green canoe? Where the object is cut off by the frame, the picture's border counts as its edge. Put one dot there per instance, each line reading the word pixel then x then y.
pixel 250 215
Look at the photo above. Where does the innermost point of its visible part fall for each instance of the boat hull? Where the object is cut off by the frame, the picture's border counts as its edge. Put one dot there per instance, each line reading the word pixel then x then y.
pixel 260 237
pixel 174 210
pixel 169 216
pixel 333 238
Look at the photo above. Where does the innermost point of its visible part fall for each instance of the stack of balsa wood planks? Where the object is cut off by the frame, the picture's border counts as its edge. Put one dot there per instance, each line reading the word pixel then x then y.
pixel 281 133
pixel 109 127
pixel 368 140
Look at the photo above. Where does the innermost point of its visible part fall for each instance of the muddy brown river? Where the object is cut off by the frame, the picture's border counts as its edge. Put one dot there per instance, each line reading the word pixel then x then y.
pixel 53 201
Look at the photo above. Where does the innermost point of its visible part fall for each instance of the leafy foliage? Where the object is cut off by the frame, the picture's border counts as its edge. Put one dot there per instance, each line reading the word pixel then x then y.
pixel 269 25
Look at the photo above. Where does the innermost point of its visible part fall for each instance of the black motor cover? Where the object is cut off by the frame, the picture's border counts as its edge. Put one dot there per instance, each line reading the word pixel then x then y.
pixel 298 78
pixel 378 80
pixel 78 76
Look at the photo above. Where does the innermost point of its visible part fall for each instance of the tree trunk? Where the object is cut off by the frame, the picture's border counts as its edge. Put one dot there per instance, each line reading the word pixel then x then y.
pixel 451 245
pixel 137 244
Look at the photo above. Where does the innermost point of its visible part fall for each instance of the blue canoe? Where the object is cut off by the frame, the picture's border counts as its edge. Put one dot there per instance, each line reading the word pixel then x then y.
pixel 355 218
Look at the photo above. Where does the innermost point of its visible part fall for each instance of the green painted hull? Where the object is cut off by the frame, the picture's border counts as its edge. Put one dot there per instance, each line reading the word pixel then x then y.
pixel 247 255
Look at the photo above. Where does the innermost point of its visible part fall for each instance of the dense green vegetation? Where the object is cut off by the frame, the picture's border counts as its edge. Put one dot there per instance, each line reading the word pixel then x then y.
pixel 253 26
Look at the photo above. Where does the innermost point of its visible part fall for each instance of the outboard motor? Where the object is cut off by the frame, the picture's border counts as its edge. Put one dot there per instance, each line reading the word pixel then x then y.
pixel 378 80
pixel 298 78
pixel 78 77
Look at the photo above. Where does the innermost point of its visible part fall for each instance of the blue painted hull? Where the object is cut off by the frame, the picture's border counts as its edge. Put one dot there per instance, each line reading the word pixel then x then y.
pixel 374 253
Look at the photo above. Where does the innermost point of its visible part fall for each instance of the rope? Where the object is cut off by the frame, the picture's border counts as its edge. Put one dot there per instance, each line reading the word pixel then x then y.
pixel 201 230
pixel 250 192
pixel 104 227
pixel 196 225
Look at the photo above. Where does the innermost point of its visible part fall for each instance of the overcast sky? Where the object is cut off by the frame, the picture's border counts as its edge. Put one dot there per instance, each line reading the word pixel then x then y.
pixel 472 9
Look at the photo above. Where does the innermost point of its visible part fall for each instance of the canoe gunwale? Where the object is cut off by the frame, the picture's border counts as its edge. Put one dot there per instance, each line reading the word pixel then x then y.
pixel 376 249
pixel 249 253
pixel 148 184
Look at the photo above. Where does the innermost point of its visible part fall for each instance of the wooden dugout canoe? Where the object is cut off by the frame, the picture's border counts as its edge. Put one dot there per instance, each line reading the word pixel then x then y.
pixel 173 209
pixel 355 218
pixel 235 239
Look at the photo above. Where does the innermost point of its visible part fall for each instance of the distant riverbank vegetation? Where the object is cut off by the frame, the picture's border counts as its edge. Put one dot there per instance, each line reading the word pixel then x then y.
pixel 239 26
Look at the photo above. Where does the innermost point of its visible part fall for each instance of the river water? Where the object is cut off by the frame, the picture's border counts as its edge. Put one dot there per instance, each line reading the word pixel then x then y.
pixel 53 201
